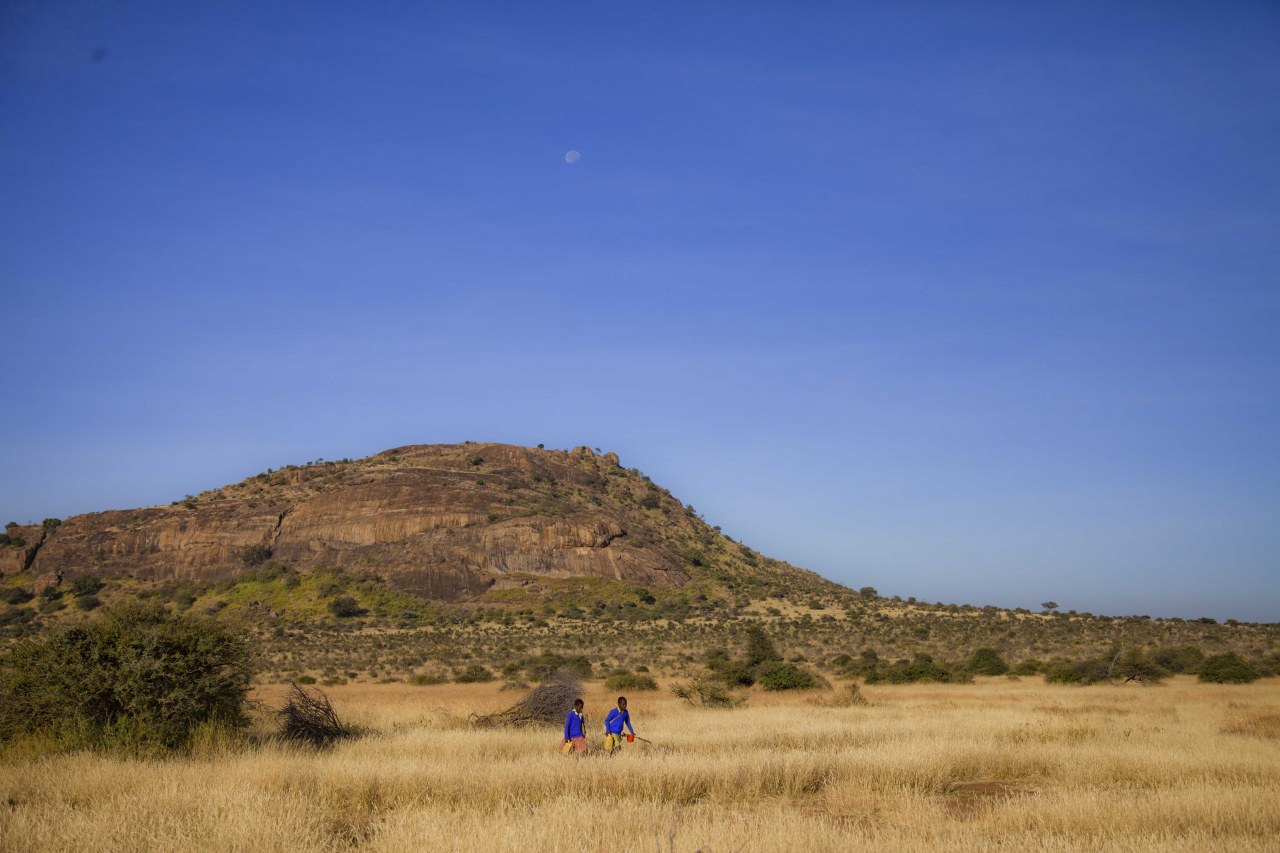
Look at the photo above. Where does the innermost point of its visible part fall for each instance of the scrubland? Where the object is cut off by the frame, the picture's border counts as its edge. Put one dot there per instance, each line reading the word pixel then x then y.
pixel 1001 763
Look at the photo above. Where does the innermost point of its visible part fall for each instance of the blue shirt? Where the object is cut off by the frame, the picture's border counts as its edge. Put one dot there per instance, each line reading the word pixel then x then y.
pixel 573 726
pixel 613 722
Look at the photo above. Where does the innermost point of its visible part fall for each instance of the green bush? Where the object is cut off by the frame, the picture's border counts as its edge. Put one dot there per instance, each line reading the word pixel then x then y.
pixel 629 681
pixel 780 675
pixel 1134 665
pixel 733 673
pixel 1228 668
pixel 1178 659
pixel 345 607
pixel 987 661
pixel 137 677
pixel 88 602
pixel 548 664
pixel 14 622
pixel 85 585
pixel 424 680
pixel 1063 671
pixel 1030 666
pixel 473 674
pixel 15 595
pixel 708 692
pixel 921 668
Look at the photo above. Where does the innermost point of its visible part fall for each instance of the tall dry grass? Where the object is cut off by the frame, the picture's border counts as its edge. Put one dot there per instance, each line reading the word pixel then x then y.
pixel 1015 765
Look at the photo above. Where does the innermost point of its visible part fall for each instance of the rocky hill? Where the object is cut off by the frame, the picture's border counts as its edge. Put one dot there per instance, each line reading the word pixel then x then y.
pixel 446 522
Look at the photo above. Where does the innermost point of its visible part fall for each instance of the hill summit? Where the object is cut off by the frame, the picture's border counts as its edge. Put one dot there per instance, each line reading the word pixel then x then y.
pixel 447 522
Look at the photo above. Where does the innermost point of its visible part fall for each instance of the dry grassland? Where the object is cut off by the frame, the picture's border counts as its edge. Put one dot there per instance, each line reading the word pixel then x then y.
pixel 998 764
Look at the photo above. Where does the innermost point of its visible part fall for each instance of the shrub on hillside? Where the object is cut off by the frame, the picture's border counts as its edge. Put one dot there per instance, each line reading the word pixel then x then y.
pixel 987 661
pixel 345 607
pixel 548 664
pixel 15 595
pixel 1178 659
pixel 1064 671
pixel 137 677
pixel 88 602
pixel 733 673
pixel 759 647
pixel 624 680
pixel 921 668
pixel 473 674
pixel 1228 668
pixel 1134 665
pixel 86 585
pixel 780 675
pixel 706 691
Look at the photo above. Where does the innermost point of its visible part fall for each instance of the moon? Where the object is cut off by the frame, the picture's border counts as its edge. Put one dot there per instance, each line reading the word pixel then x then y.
pixel 572 156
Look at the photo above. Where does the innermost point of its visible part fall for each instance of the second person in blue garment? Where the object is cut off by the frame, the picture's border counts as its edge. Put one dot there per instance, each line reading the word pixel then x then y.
pixel 613 725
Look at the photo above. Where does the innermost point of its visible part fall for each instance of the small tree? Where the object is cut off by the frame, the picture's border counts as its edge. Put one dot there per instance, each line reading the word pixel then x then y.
pixel 759 647
pixel 1049 605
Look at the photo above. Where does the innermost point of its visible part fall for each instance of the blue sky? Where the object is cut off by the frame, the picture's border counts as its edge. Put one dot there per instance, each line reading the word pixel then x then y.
pixel 971 302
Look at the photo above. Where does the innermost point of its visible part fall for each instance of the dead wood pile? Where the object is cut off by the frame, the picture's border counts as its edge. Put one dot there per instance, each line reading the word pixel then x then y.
pixel 549 702
pixel 310 718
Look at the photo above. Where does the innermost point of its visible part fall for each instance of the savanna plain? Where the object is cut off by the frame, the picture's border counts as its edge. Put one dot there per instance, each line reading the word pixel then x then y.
pixel 1002 763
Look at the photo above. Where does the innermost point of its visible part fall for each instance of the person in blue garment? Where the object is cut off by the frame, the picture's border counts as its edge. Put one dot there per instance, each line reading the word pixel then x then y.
pixel 575 730
pixel 613 724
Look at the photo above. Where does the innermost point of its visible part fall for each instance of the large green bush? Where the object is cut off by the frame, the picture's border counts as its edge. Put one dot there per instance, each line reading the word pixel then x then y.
pixel 1229 668
pixel 624 680
pixel 987 661
pixel 921 668
pixel 137 677
pixel 1178 658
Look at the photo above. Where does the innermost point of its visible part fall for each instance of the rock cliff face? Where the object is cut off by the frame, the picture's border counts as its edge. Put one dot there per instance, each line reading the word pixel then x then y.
pixel 444 521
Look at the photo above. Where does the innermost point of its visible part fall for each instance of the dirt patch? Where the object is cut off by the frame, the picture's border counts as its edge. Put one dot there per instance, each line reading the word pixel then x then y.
pixel 967 799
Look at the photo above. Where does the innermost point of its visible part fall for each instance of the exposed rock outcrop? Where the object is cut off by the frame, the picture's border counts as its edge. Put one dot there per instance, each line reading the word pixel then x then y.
pixel 445 521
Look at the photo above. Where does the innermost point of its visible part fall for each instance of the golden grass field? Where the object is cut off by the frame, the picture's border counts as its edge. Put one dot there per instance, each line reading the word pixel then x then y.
pixel 1000 763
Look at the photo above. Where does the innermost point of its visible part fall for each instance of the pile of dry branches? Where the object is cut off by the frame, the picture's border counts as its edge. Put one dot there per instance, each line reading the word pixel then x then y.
pixel 310 718
pixel 549 702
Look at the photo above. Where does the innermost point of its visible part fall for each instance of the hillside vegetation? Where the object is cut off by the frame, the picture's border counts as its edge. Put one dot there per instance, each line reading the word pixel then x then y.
pixel 531 555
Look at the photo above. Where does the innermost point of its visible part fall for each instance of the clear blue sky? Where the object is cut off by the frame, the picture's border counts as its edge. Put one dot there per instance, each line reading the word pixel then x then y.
pixel 971 302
